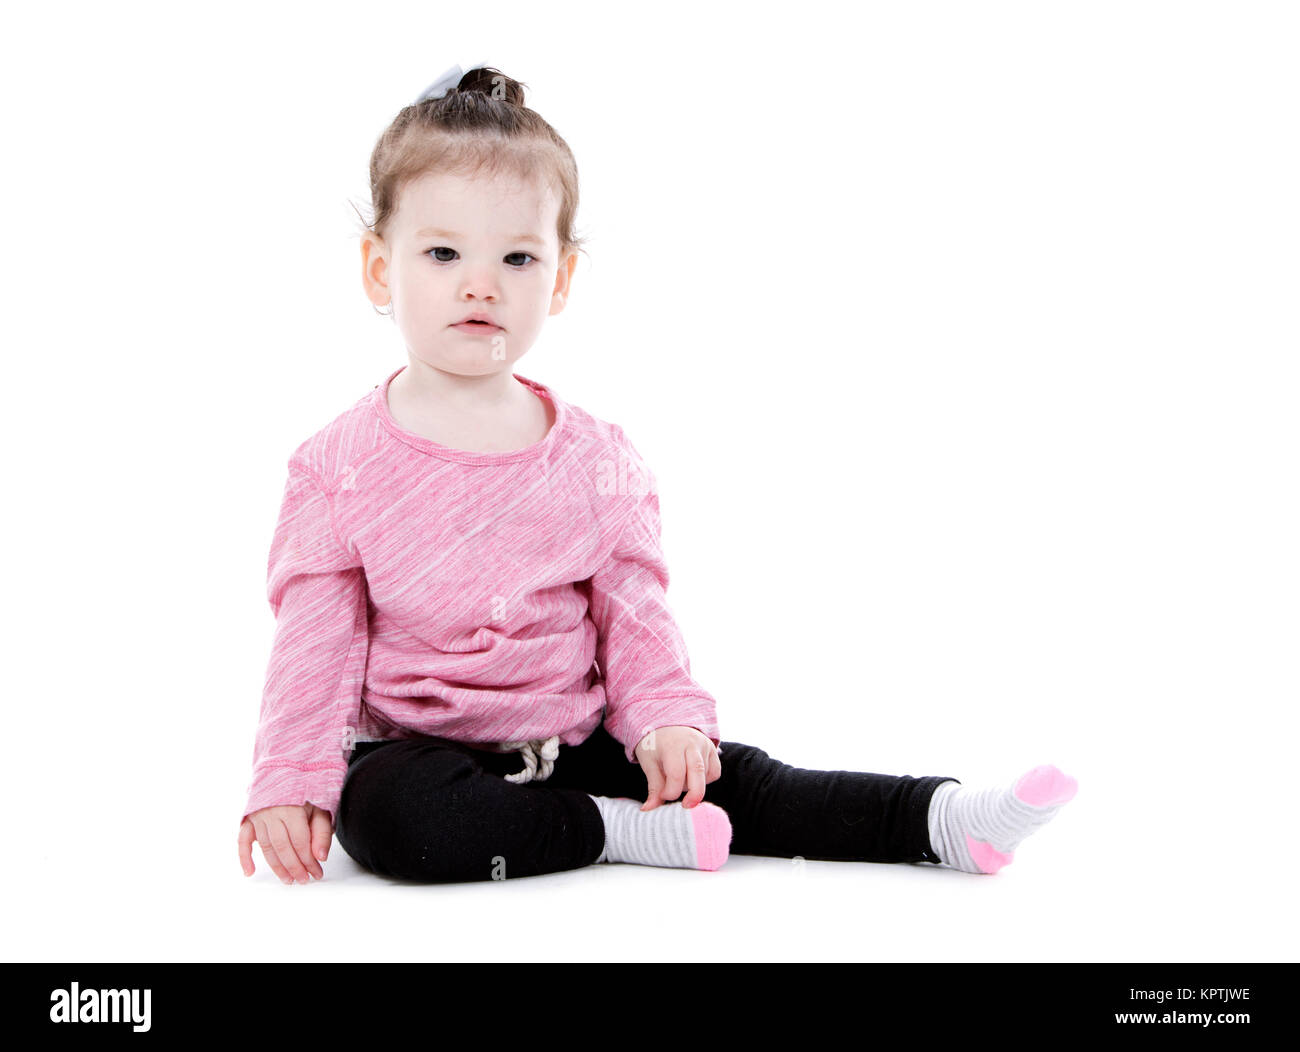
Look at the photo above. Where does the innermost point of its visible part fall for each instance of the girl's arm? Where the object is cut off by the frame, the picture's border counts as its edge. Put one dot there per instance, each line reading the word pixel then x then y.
pixel 312 700
pixel 640 649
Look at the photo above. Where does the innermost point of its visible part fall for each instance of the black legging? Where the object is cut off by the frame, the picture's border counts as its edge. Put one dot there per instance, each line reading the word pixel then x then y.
pixel 432 810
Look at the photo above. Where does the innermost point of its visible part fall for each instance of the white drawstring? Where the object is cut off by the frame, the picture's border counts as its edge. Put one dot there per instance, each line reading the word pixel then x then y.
pixel 548 749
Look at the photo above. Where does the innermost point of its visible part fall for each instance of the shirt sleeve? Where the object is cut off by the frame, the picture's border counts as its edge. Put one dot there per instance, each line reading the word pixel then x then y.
pixel 640 649
pixel 312 699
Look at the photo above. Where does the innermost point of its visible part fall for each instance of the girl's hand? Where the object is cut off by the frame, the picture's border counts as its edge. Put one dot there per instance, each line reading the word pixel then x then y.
pixel 293 837
pixel 677 758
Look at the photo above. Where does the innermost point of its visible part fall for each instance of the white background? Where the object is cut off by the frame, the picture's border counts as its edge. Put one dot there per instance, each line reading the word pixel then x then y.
pixel 961 339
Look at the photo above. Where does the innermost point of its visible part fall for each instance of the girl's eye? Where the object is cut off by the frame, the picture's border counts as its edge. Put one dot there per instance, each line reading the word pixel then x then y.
pixel 451 252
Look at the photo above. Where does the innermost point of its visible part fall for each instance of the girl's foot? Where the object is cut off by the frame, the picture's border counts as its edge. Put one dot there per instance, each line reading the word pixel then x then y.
pixel 670 835
pixel 978 830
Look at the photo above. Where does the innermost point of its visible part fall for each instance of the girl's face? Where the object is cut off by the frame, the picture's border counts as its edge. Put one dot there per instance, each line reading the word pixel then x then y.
pixel 460 246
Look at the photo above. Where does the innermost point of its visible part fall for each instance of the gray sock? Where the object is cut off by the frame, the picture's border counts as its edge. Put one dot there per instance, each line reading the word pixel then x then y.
pixel 978 830
pixel 670 835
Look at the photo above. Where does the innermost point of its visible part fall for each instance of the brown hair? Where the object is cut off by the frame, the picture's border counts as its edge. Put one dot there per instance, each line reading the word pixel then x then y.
pixel 479 127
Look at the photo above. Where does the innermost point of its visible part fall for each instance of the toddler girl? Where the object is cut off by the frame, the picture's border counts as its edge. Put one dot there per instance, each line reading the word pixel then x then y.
pixel 475 673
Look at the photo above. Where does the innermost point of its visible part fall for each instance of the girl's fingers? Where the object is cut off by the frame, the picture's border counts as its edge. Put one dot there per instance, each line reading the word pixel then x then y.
pixel 268 851
pixel 654 783
pixel 674 773
pixel 300 838
pixel 246 847
pixel 284 848
pixel 322 834
pixel 696 768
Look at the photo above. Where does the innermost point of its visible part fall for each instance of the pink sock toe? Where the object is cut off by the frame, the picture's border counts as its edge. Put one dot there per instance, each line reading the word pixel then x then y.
pixel 1046 787
pixel 986 856
pixel 712 835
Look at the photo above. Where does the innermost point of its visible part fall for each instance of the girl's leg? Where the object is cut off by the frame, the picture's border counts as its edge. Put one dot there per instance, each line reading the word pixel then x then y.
pixel 776 809
pixel 430 810
pixel 779 810
pixel 433 811
pixel 851 816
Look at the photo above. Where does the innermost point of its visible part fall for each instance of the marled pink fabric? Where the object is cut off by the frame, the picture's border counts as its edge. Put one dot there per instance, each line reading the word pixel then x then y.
pixel 420 589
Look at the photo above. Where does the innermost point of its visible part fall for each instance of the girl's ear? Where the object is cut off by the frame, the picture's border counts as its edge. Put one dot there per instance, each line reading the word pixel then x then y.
pixel 563 279
pixel 374 269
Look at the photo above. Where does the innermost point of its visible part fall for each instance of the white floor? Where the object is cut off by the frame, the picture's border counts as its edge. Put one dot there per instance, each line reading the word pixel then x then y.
pixel 1088 887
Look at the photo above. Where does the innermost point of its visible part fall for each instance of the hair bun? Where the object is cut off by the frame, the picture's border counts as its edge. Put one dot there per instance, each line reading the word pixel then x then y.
pixel 492 82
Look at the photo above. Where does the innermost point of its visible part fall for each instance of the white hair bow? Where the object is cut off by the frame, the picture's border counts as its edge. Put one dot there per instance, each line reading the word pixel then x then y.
pixel 446 82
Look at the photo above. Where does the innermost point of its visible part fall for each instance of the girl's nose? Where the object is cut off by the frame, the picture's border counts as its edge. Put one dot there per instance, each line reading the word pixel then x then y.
pixel 481 284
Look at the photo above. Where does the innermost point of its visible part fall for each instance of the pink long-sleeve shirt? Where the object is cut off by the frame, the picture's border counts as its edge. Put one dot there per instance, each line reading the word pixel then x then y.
pixel 480 597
